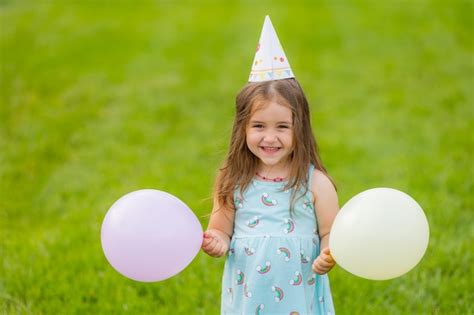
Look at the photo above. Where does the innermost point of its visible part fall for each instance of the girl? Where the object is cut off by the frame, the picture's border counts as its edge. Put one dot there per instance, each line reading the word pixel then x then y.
pixel 273 207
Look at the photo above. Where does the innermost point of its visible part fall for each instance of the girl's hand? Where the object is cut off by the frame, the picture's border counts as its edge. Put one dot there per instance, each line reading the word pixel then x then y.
pixel 215 243
pixel 324 262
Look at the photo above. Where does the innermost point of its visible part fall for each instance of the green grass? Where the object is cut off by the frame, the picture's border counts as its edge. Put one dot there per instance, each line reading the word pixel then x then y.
pixel 98 100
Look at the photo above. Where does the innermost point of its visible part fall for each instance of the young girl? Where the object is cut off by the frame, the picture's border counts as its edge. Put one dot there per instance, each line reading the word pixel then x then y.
pixel 273 204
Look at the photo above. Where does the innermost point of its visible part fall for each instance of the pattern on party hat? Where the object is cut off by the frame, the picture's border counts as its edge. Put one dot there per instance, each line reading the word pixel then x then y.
pixel 270 61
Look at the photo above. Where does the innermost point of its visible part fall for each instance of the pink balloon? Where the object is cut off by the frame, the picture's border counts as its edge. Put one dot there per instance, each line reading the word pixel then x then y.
pixel 149 235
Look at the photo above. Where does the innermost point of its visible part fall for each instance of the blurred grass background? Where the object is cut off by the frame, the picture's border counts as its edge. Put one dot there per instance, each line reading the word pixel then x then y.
pixel 100 98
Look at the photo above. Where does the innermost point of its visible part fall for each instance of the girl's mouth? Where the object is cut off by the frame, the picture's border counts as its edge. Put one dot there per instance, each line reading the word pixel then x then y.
pixel 270 149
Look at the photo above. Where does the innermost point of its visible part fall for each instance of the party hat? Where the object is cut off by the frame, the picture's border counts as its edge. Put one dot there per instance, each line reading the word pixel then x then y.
pixel 270 61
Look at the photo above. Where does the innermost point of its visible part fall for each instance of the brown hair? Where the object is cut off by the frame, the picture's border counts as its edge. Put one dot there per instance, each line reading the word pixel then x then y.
pixel 240 165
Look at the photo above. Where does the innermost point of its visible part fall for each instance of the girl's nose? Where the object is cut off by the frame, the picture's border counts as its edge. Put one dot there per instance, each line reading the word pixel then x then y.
pixel 270 137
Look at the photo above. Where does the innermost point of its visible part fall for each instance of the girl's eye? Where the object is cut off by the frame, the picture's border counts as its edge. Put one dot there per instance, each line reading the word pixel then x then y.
pixel 257 126
pixel 283 126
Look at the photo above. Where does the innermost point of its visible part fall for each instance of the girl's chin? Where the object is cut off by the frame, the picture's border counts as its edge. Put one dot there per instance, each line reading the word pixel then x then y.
pixel 271 162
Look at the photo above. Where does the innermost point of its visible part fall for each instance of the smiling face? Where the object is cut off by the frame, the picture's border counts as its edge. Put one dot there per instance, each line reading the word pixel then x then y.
pixel 269 134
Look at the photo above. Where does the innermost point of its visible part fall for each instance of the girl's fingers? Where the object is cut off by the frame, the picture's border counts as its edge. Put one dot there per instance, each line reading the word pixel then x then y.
pixel 218 249
pixel 320 266
pixel 320 270
pixel 317 270
pixel 324 263
pixel 208 238
pixel 210 246
pixel 328 258
pixel 206 242
pixel 315 266
pixel 213 246
pixel 221 250
pixel 320 261
pixel 209 234
pixel 217 253
pixel 215 250
pixel 326 255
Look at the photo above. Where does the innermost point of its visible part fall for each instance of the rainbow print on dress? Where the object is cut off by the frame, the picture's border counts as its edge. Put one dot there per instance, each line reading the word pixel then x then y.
pixel 278 293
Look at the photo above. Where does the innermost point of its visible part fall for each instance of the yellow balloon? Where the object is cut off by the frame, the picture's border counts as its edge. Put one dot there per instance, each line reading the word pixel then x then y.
pixel 379 234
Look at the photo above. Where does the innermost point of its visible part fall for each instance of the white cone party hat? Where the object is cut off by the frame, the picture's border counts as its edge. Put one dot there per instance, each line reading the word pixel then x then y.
pixel 270 61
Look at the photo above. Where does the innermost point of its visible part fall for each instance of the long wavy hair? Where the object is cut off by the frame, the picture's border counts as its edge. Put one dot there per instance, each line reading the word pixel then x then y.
pixel 240 164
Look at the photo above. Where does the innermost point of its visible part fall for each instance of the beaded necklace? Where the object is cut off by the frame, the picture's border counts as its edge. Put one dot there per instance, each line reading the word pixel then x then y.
pixel 276 179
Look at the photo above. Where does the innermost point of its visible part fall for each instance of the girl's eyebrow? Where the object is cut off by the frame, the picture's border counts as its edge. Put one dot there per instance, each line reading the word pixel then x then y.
pixel 278 122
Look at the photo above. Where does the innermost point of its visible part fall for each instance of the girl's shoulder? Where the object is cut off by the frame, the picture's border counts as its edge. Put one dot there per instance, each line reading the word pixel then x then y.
pixel 321 184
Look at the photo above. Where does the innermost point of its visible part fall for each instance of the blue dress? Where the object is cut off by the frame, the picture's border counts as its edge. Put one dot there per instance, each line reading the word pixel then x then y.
pixel 268 268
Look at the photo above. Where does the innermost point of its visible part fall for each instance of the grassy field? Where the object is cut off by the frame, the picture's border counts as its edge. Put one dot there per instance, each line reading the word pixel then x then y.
pixel 102 98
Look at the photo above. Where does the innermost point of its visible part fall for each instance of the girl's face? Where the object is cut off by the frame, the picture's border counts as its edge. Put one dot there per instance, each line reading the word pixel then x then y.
pixel 269 134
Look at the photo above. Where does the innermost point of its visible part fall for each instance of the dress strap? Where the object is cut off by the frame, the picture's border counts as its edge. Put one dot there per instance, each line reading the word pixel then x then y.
pixel 311 194
pixel 310 175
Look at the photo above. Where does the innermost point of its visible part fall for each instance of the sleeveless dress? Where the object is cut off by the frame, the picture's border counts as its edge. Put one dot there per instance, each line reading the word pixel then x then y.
pixel 268 268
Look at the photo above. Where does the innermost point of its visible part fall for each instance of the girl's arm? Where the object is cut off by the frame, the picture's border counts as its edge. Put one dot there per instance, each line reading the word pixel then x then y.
pixel 326 205
pixel 219 231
